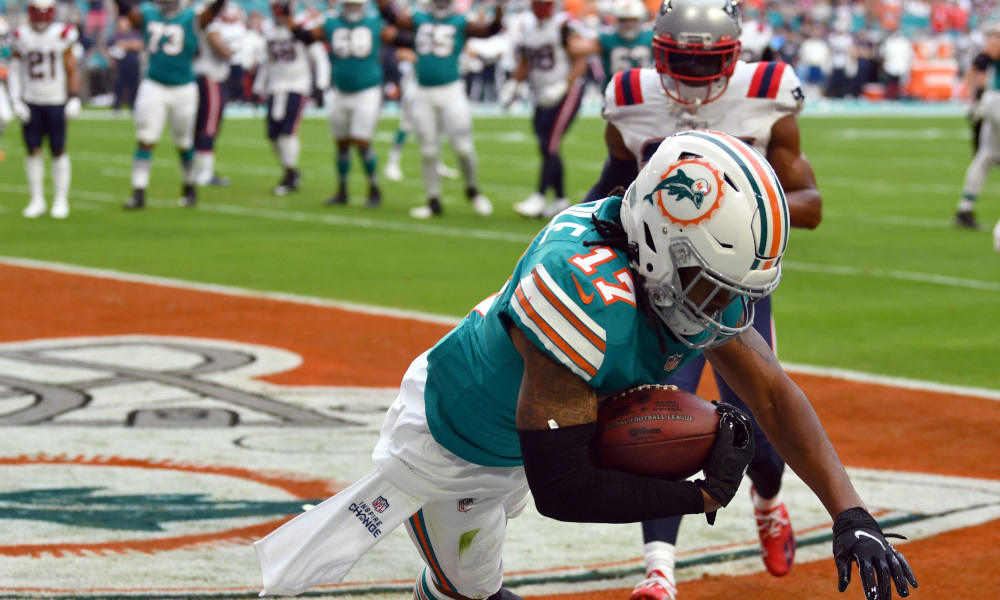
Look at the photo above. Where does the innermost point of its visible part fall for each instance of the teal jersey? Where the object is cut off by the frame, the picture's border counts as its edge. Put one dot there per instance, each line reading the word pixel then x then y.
pixel 577 304
pixel 619 54
pixel 354 52
pixel 438 43
pixel 171 42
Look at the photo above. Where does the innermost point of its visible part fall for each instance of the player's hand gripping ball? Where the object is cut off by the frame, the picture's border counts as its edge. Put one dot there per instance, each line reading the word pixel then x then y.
pixel 656 431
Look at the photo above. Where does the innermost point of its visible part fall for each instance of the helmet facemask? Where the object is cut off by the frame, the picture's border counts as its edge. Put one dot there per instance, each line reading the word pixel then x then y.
pixel 41 14
pixel 442 9
pixel 352 11
pixel 169 8
pixel 628 28
pixel 695 72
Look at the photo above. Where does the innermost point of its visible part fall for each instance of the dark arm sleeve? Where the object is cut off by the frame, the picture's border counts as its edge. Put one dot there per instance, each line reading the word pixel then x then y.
pixel 388 13
pixel 567 488
pixel 982 62
pixel 303 35
pixel 616 172
pixel 403 39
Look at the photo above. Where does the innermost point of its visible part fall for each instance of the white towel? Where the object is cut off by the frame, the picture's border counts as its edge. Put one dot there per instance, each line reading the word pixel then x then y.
pixel 322 544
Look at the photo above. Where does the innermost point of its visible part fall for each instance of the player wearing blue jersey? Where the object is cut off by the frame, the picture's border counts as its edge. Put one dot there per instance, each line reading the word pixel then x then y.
pixel 354 37
pixel 168 92
pixel 439 100
pixel 610 294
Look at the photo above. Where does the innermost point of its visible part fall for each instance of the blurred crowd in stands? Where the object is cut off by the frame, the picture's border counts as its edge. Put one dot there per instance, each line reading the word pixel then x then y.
pixel 870 49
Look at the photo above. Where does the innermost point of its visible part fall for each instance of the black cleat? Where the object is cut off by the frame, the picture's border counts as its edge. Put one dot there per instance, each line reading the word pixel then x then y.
pixel 189 198
pixel 338 199
pixel 966 220
pixel 137 201
pixel 289 183
pixel 431 209
pixel 374 198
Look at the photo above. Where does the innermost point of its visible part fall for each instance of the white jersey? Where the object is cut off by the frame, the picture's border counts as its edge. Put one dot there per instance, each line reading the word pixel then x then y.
pixel 544 45
pixel 285 63
pixel 209 64
pixel 43 70
pixel 757 96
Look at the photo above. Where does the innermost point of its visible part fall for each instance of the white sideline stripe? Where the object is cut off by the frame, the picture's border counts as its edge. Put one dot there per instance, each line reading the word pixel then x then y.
pixel 226 290
pixel 975 284
pixel 833 373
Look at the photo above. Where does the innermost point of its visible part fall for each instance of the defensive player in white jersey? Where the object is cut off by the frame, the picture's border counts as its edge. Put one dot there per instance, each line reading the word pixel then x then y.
pixel 212 68
pixel 699 83
pixel 168 92
pixel 507 402
pixel 553 58
pixel 6 112
pixel 44 86
pixel 285 76
pixel 440 101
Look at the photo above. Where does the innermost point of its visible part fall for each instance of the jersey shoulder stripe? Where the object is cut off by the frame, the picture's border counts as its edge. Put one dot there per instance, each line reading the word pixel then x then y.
pixel 563 328
pixel 766 80
pixel 628 90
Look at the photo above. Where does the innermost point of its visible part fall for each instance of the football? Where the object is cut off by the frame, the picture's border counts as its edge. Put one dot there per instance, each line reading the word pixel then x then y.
pixel 655 430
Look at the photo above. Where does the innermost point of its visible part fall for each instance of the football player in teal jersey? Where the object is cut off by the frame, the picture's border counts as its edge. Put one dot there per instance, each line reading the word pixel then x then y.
pixel 629 44
pixel 355 36
pixel 439 100
pixel 168 92
pixel 611 294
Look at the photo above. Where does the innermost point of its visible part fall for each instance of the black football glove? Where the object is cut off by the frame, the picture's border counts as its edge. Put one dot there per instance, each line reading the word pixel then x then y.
pixel 729 457
pixel 858 538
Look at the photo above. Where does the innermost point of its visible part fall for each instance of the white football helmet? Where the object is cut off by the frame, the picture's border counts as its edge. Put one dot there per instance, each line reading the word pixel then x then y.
pixel 352 11
pixel 629 17
pixel 710 222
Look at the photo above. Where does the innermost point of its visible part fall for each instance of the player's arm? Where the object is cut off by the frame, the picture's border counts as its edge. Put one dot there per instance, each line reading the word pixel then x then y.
pixel 301 33
pixel 579 48
pixel 784 152
pixel 15 86
pixel 556 420
pixel 72 82
pixel 322 71
pixel 783 412
pixel 397 37
pixel 218 46
pixel 395 18
pixel 208 14
pixel 480 29
pixel 620 168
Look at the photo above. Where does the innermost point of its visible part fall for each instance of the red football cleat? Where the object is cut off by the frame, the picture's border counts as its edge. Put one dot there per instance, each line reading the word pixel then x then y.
pixel 654 587
pixel 777 540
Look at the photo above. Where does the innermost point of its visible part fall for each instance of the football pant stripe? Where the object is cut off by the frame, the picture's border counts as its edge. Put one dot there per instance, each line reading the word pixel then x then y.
pixel 550 339
pixel 568 314
pixel 420 530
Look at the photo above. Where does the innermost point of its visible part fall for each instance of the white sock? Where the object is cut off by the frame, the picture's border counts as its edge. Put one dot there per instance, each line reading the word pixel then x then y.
pixel 288 151
pixel 34 167
pixel 140 174
pixel 424 588
pixel 61 173
pixel 394 156
pixel 204 167
pixel 432 181
pixel 766 504
pixel 467 163
pixel 660 557
pixel 966 205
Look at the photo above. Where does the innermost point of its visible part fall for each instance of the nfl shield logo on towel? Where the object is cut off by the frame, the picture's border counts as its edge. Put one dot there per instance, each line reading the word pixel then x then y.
pixel 380 504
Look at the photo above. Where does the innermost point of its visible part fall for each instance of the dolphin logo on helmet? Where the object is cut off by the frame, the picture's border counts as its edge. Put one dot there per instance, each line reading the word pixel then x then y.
pixel 704 267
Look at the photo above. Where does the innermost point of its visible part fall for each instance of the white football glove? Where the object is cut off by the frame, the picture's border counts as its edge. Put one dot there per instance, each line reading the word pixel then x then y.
pixel 22 111
pixel 73 106
pixel 552 94
pixel 508 93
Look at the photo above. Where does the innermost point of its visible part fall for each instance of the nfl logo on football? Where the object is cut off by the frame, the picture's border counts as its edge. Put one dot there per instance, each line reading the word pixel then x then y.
pixel 380 504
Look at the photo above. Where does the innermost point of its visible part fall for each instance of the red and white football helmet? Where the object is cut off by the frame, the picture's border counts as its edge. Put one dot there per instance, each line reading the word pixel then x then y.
pixel 41 13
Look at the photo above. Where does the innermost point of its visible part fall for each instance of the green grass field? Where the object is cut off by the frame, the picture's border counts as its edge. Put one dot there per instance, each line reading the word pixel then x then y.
pixel 885 285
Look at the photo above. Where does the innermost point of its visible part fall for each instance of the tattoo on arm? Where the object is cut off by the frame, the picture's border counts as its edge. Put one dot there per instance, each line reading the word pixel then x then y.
pixel 757 345
pixel 550 390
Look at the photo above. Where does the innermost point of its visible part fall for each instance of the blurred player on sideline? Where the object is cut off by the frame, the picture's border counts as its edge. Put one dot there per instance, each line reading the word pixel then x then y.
pixel 983 75
pixel 285 76
pixel 44 84
pixel 440 103
pixel 218 44
pixel 553 58
pixel 6 112
pixel 354 36
pixel 168 93
pixel 393 171
pixel 627 44
pixel 698 83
